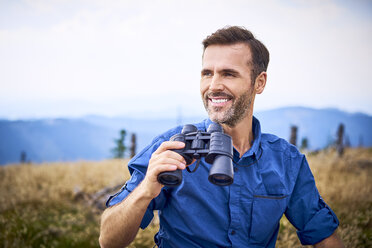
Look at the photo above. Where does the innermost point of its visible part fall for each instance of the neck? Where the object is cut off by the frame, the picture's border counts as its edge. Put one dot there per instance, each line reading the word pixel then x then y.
pixel 241 134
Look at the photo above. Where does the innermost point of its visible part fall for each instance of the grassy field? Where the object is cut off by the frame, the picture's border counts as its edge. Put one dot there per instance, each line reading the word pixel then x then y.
pixel 51 205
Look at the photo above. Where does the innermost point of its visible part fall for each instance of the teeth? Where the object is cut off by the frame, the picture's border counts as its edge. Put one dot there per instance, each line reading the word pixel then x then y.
pixel 219 100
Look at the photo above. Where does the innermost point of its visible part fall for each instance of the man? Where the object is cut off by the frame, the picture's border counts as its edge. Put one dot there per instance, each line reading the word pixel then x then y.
pixel 271 177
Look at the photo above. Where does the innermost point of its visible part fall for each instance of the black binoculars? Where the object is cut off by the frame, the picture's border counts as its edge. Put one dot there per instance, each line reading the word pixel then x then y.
pixel 214 145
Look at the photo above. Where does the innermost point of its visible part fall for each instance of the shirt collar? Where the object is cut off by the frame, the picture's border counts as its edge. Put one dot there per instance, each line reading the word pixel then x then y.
pixel 255 149
pixel 256 128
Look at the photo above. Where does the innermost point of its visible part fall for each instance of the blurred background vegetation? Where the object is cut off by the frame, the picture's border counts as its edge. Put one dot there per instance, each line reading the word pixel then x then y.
pixel 59 204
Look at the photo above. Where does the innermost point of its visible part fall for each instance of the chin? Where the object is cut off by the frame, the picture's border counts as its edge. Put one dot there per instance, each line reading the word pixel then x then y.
pixel 216 118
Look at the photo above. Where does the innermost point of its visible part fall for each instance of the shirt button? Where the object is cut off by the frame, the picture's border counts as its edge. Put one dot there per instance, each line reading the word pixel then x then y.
pixel 235 169
pixel 232 232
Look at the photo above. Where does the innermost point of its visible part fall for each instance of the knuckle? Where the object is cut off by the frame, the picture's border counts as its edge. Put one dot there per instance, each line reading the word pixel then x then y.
pixel 168 153
pixel 161 160
pixel 153 157
pixel 165 144
pixel 165 160
pixel 179 157
pixel 161 146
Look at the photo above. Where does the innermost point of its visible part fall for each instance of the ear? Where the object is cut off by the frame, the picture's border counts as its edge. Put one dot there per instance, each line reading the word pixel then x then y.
pixel 260 82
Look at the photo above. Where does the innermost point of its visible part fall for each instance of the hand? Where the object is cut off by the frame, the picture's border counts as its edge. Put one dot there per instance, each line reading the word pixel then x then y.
pixel 163 159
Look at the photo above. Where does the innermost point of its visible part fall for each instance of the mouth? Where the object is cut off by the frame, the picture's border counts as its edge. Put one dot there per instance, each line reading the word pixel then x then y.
pixel 219 101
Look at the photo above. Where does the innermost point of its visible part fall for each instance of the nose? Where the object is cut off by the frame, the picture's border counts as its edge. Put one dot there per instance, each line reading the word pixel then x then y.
pixel 216 84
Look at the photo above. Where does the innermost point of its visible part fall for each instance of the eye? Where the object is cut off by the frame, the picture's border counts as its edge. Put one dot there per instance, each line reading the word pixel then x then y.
pixel 228 74
pixel 206 73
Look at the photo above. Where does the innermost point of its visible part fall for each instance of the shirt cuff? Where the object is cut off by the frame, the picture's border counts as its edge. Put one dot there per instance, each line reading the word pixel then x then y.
pixel 320 226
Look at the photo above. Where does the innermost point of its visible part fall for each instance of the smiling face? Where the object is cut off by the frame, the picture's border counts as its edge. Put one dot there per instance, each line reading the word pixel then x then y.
pixel 226 87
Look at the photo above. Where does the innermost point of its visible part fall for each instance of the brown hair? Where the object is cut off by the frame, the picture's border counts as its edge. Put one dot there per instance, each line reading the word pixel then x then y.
pixel 233 34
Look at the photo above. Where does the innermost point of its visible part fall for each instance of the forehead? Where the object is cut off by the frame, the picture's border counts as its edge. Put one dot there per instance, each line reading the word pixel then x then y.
pixel 227 56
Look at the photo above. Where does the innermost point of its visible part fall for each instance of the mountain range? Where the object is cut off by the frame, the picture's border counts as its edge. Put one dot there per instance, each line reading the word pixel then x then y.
pixel 92 137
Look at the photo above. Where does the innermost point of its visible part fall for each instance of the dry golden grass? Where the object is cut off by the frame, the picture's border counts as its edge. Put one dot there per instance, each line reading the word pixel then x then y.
pixel 39 208
pixel 55 181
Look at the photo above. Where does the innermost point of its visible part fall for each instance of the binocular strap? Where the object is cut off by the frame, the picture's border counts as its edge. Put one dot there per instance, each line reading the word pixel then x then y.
pixel 196 167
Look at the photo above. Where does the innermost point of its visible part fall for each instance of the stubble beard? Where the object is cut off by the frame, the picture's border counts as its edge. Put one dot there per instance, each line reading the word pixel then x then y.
pixel 233 115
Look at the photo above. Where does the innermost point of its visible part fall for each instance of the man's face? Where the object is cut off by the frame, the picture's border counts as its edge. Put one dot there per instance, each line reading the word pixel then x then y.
pixel 225 85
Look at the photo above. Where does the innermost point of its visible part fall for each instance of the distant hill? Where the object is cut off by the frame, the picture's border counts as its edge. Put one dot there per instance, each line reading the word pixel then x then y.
pixel 92 137
pixel 319 126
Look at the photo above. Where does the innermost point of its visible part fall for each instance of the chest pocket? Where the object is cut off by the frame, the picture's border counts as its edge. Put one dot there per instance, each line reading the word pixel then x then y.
pixel 269 203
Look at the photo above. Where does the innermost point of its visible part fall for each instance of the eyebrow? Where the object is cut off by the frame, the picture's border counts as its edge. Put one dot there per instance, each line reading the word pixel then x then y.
pixel 230 71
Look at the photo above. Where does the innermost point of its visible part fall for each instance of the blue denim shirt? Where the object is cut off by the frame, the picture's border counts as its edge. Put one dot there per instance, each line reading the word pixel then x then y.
pixel 271 179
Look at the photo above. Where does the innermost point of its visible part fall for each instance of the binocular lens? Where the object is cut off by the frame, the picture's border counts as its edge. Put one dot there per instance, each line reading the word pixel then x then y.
pixel 220 179
pixel 221 173
pixel 170 178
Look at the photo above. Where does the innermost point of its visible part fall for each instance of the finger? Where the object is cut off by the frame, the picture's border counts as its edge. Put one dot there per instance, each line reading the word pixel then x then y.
pixel 175 161
pixel 167 154
pixel 154 172
pixel 162 159
pixel 167 167
pixel 166 160
pixel 168 145
pixel 173 155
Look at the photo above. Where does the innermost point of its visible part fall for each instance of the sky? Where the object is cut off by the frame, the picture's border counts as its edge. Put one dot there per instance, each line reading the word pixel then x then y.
pixel 61 58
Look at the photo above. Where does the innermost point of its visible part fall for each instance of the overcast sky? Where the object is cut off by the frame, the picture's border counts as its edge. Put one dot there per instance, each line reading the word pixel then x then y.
pixel 143 58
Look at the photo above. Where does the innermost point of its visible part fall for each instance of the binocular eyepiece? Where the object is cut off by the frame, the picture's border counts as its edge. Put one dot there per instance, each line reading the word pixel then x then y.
pixel 214 145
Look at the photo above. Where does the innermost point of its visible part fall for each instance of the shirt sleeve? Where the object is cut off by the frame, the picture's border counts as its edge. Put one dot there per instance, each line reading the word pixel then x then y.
pixel 137 168
pixel 307 211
